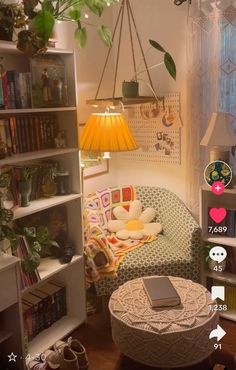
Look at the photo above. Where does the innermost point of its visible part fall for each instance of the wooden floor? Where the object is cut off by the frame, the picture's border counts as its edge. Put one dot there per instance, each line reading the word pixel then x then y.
pixel 103 355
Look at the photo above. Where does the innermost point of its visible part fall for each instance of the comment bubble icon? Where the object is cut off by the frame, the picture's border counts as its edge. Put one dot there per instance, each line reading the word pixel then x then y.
pixel 218 254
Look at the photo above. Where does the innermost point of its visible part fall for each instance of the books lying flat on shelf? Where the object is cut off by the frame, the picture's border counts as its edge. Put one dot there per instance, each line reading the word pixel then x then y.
pixel 160 291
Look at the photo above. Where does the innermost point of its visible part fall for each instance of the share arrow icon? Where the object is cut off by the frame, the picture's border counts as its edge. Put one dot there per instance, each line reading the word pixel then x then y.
pixel 218 333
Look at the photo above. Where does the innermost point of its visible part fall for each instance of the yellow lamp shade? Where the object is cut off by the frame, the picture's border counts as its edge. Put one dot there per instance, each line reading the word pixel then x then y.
pixel 107 132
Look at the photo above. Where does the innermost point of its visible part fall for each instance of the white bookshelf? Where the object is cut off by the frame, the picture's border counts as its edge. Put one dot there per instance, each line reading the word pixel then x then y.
pixel 226 200
pixel 71 274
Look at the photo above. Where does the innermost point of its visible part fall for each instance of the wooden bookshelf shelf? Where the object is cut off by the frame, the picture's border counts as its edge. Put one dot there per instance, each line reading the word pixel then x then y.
pixel 41 204
pixel 221 240
pixel 229 314
pixel 9 47
pixel 50 266
pixel 57 331
pixel 30 156
pixel 222 276
pixel 37 110
pixel 4 335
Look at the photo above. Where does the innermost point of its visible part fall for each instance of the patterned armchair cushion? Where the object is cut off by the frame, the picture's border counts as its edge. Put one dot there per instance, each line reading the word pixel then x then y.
pixel 176 252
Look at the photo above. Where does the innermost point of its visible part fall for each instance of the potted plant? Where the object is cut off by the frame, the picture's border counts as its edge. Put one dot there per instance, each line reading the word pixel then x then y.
pixel 130 89
pixel 44 13
pixel 25 185
pixel 6 217
pixel 12 17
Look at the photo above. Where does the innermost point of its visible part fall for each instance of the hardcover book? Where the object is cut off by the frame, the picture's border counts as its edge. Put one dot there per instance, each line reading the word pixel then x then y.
pixel 161 292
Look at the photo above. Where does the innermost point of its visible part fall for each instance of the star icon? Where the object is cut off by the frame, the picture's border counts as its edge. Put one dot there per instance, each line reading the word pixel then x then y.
pixel 12 357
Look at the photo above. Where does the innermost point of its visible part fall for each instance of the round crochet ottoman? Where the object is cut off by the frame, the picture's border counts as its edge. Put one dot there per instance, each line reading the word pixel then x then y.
pixel 166 338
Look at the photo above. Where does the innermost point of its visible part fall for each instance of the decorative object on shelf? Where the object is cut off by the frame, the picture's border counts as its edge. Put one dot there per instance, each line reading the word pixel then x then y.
pixel 180 2
pixel 25 185
pixel 107 132
pixel 6 217
pixel 49 186
pixel 63 182
pixel 219 136
pixel 43 15
pixel 49 86
pixel 3 149
pixel 12 17
pixel 130 89
pixel 60 140
pixel 68 252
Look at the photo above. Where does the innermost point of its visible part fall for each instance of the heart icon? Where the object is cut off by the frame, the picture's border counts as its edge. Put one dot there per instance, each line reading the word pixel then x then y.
pixel 218 214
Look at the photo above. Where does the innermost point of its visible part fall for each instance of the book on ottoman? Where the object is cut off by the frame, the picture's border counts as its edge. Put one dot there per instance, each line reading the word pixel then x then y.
pixel 161 292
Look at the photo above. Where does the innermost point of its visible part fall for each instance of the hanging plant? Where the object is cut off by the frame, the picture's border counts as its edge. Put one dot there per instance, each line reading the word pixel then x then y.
pixel 44 13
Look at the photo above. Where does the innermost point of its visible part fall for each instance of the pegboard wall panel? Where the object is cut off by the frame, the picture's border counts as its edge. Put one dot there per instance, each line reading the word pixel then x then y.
pixel 157 129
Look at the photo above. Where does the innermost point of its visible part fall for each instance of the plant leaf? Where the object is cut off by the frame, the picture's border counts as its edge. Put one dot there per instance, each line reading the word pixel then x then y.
pixel 81 36
pixel 105 35
pixel 95 6
pixel 75 15
pixel 157 46
pixel 170 65
pixel 44 23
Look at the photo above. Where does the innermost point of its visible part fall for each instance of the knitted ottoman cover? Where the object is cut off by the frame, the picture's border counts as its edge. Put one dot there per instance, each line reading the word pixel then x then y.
pixel 167 337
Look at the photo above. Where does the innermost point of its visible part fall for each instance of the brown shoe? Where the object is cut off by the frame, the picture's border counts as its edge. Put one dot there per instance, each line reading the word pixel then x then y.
pixel 80 352
pixel 69 360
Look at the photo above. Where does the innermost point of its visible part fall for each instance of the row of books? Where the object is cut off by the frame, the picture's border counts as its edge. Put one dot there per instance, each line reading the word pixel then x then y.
pixel 15 90
pixel 43 307
pixel 22 251
pixel 227 227
pixel 29 133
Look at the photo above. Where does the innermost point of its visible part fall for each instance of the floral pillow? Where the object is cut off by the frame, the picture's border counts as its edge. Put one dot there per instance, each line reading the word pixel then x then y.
pixel 134 224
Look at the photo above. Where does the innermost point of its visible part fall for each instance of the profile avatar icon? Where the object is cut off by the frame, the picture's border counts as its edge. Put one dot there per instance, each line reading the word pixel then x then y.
pixel 218 171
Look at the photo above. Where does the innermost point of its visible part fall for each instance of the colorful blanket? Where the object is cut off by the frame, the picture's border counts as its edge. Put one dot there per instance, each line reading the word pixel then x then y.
pixel 104 252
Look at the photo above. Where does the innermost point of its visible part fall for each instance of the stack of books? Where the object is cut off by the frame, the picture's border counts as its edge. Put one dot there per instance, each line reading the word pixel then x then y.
pixel 15 90
pixel 160 292
pixel 29 133
pixel 225 228
pixel 43 307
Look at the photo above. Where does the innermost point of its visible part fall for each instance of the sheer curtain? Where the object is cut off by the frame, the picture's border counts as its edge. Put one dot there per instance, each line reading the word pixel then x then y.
pixel 211 80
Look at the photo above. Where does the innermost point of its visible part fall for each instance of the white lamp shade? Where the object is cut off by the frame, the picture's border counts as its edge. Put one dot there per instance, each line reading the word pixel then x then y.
pixel 219 131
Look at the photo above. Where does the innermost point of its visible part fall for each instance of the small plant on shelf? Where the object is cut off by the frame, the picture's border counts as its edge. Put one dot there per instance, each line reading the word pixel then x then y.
pixel 130 88
pixel 43 15
pixel 12 17
pixel 6 217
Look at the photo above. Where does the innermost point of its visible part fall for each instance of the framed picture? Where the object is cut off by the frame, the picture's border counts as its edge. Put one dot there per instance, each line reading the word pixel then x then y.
pixel 93 162
pixel 49 87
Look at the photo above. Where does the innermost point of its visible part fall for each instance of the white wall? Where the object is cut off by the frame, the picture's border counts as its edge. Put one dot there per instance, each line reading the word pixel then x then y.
pixel 166 23
pixel 160 20
pixel 90 61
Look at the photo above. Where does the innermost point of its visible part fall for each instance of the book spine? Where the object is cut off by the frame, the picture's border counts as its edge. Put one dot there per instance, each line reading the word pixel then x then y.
pixel 2 106
pixel 8 136
pixel 18 134
pixel 5 91
pixel 2 131
pixel 11 90
pixel 37 132
pixel 17 89
pixel 12 132
pixel 230 223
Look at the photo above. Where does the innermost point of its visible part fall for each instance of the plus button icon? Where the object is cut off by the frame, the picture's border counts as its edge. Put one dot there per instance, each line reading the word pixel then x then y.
pixel 217 188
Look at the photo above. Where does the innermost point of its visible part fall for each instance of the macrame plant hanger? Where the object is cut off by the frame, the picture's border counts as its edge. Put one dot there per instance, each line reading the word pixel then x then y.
pixel 113 100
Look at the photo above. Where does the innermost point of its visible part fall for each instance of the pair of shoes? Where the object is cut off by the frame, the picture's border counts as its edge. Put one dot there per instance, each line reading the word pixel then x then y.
pixel 70 355
pixel 78 350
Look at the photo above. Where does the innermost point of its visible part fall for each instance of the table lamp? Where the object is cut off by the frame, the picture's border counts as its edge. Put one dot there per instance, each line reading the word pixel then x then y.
pixel 219 136
pixel 107 132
